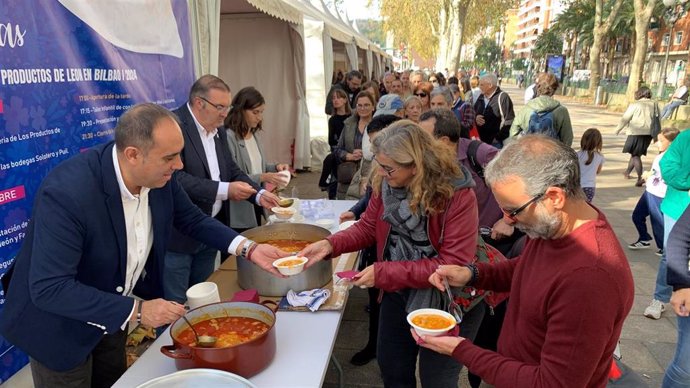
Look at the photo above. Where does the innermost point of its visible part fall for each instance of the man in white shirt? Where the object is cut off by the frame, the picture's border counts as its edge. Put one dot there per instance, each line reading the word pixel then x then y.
pixel 211 178
pixel 679 97
pixel 98 234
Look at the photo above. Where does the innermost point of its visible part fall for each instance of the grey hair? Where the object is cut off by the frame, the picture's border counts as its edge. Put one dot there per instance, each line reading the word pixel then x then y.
pixel 206 83
pixel 442 91
pixel 490 78
pixel 540 162
pixel 419 72
pixel 135 127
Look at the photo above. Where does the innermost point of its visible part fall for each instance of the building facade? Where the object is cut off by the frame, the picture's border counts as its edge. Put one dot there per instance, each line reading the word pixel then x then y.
pixel 534 16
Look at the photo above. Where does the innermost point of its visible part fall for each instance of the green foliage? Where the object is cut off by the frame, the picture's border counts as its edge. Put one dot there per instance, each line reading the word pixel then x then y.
pixel 487 54
pixel 372 30
pixel 548 42
pixel 519 64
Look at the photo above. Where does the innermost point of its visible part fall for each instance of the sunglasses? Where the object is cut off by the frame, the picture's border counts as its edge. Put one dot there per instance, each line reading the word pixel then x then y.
pixel 519 210
pixel 421 94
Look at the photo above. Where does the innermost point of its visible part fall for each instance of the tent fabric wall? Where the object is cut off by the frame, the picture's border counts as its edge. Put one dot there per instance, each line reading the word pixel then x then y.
pixel 264 59
pixel 318 74
pixel 204 17
pixel 302 136
pixel 351 52
pixel 278 9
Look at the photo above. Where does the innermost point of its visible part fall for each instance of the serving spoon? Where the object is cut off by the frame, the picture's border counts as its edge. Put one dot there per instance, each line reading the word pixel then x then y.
pixel 205 341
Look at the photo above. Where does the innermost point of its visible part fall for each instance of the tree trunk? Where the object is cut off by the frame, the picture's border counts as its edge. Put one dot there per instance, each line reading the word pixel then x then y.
pixel 601 28
pixel 457 26
pixel 643 14
pixel 573 52
pixel 612 53
pixel 443 36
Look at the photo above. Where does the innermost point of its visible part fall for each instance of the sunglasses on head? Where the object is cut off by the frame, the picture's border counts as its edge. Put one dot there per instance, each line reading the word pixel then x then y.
pixel 420 94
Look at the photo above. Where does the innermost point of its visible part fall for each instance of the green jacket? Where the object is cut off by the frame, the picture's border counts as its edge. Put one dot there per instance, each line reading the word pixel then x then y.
pixel 675 170
pixel 561 118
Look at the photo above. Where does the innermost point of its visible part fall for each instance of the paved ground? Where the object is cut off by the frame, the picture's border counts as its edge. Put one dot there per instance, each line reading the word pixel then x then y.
pixel 647 345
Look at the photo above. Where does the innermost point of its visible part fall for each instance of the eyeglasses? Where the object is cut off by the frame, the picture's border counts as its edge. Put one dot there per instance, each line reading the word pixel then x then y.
pixel 387 169
pixel 519 210
pixel 421 94
pixel 220 108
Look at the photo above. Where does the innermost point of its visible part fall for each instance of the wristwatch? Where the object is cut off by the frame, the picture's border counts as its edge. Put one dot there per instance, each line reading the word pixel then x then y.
pixel 246 247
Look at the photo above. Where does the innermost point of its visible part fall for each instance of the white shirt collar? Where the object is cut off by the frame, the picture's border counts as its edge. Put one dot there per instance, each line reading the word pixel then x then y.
pixel 124 191
pixel 202 131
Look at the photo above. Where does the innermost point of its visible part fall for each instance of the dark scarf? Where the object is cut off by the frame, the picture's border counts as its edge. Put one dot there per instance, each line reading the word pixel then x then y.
pixel 408 241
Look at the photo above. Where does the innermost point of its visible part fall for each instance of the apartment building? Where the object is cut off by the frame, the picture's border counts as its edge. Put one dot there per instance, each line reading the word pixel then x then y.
pixel 534 16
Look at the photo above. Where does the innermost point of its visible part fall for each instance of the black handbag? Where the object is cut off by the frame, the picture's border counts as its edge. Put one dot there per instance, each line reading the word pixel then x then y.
pixel 655 128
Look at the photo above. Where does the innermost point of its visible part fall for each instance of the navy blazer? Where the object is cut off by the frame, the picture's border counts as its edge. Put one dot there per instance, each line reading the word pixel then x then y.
pixel 195 176
pixel 68 278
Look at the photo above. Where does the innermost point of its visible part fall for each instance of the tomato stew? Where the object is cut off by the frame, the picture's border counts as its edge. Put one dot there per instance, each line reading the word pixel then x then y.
pixel 229 331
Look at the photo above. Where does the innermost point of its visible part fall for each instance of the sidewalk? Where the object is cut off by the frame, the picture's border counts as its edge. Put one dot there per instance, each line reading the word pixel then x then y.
pixel 647 345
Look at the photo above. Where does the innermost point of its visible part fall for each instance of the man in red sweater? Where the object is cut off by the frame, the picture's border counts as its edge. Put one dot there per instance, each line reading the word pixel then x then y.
pixel 570 289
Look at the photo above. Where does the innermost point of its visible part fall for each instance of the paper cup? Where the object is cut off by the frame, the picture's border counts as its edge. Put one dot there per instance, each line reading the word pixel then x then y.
pixel 202 294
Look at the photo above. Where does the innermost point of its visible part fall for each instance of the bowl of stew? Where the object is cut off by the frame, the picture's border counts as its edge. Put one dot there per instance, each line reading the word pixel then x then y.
pixel 291 265
pixel 245 338
pixel 432 322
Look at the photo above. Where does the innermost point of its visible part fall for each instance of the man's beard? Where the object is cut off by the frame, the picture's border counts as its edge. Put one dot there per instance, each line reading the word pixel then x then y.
pixel 546 227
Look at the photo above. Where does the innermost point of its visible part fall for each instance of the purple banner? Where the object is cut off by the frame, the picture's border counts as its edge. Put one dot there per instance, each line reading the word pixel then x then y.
pixel 68 70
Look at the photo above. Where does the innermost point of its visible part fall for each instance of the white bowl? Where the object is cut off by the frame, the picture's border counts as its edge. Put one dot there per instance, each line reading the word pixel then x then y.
pixel 293 269
pixel 346 224
pixel 283 213
pixel 324 223
pixel 428 331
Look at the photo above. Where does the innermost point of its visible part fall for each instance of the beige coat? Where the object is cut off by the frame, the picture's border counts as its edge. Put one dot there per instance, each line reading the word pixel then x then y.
pixel 638 118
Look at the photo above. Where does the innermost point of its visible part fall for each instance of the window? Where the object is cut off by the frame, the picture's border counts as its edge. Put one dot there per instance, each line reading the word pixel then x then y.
pixel 665 39
pixel 679 37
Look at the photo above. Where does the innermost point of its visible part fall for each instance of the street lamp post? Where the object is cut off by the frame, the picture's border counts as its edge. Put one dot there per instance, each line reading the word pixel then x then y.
pixel 675 9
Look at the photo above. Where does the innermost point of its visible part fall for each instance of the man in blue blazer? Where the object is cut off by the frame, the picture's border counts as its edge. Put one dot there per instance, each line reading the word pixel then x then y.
pixel 211 178
pixel 101 224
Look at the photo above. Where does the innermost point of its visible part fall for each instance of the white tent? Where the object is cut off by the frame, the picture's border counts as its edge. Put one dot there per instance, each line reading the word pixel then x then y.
pixel 287 50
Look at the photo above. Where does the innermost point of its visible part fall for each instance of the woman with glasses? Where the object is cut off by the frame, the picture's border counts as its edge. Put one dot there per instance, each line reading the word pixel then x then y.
pixel 423 91
pixel 422 214
pixel 242 124
pixel 349 149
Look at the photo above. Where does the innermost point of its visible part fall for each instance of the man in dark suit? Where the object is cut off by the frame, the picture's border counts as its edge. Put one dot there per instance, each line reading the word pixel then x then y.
pixel 210 177
pixel 98 235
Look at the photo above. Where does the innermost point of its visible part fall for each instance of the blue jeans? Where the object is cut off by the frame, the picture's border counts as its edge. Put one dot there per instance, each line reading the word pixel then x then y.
pixel 397 351
pixel 669 108
pixel 183 270
pixel 678 372
pixel 662 291
pixel 649 206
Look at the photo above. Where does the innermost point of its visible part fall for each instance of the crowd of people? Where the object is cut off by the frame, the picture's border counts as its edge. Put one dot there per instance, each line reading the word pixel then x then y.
pixel 533 198
pixel 453 188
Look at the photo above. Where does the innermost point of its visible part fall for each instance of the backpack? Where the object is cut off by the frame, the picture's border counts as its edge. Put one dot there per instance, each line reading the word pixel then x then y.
pixel 542 123
pixel 472 157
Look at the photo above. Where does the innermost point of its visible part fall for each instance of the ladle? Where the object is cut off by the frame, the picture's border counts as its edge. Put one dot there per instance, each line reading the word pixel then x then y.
pixel 205 341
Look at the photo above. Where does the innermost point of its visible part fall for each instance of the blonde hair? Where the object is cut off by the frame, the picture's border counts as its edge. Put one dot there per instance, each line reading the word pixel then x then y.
pixel 410 146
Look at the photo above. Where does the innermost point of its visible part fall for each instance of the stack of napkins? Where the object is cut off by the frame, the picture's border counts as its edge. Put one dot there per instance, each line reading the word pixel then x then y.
pixel 313 299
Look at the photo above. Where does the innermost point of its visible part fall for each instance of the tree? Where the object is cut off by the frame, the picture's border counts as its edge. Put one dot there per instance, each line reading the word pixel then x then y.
pixel 487 53
pixel 600 30
pixel 519 64
pixel 548 42
pixel 577 22
pixel 435 28
pixel 643 14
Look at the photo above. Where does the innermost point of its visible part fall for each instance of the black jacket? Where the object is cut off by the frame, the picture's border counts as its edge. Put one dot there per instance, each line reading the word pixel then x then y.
pixel 195 176
pixel 492 128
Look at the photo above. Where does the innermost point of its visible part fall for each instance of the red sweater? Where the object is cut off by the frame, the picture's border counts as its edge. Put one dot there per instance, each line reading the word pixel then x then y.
pixel 568 300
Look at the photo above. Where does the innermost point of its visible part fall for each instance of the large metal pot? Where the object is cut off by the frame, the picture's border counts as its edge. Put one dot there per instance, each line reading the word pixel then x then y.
pixel 246 359
pixel 249 275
